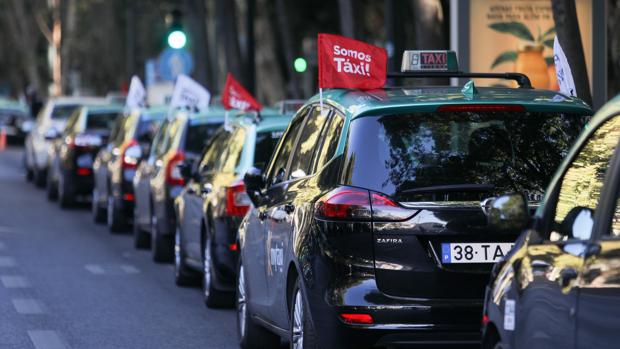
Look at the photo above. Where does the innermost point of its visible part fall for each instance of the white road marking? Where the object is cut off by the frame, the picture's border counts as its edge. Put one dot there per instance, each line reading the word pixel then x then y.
pixel 130 269
pixel 11 281
pixel 27 306
pixel 95 269
pixel 46 339
pixel 6 262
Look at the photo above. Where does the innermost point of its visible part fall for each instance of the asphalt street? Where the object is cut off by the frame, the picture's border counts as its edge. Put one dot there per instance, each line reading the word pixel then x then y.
pixel 68 283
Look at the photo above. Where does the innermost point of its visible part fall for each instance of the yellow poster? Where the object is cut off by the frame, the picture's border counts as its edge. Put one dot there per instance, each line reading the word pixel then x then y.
pixel 517 35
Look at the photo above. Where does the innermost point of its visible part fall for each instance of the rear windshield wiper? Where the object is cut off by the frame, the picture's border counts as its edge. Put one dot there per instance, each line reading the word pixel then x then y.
pixel 452 188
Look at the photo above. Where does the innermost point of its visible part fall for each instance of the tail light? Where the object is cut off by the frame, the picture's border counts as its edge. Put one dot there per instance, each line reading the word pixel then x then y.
pixel 481 108
pixel 130 155
pixel 357 319
pixel 237 200
pixel 173 172
pixel 348 203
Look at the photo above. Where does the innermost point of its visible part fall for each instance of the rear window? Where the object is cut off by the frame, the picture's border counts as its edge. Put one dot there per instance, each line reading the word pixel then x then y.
pixel 458 156
pixel 198 136
pixel 101 121
pixel 146 130
pixel 265 146
pixel 63 111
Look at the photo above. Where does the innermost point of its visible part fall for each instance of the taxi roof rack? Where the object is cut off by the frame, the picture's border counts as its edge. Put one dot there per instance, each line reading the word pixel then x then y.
pixel 521 79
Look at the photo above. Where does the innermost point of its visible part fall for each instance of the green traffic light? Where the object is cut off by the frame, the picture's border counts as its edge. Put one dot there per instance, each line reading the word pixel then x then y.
pixel 300 65
pixel 177 39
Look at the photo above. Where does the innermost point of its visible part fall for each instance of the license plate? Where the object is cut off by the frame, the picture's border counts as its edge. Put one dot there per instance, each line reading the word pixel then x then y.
pixel 483 252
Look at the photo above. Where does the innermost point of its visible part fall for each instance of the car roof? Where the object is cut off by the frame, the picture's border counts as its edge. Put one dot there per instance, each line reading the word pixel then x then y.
pixel 103 109
pixel 68 100
pixel 355 103
pixel 270 119
pixel 9 104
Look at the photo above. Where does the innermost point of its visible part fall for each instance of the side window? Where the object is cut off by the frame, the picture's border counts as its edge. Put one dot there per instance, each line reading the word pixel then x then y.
pixel 308 142
pixel 73 120
pixel 330 140
pixel 581 185
pixel 159 138
pixel 210 160
pixel 232 153
pixel 277 170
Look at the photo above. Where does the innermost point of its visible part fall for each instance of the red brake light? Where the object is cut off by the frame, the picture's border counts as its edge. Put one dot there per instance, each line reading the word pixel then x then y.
pixel 481 108
pixel 130 154
pixel 173 173
pixel 357 319
pixel 344 203
pixel 485 319
pixel 233 247
pixel 237 201
pixel 83 171
pixel 128 197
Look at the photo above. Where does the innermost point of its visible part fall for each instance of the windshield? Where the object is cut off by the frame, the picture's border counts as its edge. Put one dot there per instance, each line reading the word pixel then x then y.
pixel 458 156
pixel 63 111
pixel 198 136
pixel 265 145
pixel 101 121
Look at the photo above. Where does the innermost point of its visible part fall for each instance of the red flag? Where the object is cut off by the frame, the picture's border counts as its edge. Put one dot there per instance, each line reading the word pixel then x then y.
pixel 348 63
pixel 237 97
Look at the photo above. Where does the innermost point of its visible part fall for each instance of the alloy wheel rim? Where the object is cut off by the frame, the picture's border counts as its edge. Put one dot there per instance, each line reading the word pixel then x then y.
pixel 241 302
pixel 207 268
pixel 298 324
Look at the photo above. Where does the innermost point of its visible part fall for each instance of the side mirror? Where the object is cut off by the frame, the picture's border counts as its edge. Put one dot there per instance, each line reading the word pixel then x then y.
pixel 507 213
pixel 254 183
pixel 51 134
pixel 186 169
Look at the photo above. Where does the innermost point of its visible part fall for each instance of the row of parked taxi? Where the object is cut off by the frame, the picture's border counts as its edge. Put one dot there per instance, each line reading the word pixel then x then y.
pixel 393 217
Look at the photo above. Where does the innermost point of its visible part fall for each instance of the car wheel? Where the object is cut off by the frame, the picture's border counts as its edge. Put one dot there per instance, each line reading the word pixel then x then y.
pixel 116 222
pixel 29 172
pixel 492 341
pixel 141 239
pixel 301 331
pixel 182 275
pixel 251 335
pixel 213 297
pixel 161 246
pixel 51 187
pixel 39 177
pixel 99 213
pixel 65 195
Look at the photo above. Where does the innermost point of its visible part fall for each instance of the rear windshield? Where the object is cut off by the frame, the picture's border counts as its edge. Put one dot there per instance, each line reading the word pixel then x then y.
pixel 100 121
pixel 63 111
pixel 265 145
pixel 146 130
pixel 198 136
pixel 458 156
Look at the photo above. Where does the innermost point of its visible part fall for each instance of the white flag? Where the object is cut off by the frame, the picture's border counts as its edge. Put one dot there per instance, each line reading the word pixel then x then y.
pixel 562 70
pixel 188 94
pixel 136 97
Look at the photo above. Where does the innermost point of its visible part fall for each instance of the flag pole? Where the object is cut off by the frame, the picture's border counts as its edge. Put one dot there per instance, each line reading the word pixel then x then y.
pixel 226 120
pixel 321 98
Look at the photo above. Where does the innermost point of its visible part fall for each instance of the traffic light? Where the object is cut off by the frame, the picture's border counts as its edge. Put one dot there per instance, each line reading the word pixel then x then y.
pixel 300 65
pixel 177 38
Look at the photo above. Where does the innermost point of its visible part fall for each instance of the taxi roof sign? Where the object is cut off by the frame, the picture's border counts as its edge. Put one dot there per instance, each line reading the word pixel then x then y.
pixel 429 61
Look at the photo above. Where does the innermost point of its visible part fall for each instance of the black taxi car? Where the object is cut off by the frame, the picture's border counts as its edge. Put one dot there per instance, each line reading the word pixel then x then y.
pixel 214 201
pixel 368 226
pixel 158 179
pixel 116 164
pixel 72 155
pixel 560 286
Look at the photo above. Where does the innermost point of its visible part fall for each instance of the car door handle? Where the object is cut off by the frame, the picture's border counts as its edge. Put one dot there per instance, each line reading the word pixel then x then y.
pixel 206 189
pixel 262 215
pixel 567 275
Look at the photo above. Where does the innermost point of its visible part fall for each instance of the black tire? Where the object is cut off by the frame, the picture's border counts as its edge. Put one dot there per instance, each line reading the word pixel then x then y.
pixel 141 240
pixel 183 276
pixel 162 246
pixel 213 297
pixel 65 193
pixel 51 187
pixel 99 213
pixel 115 219
pixel 29 172
pixel 301 333
pixel 492 340
pixel 39 177
pixel 250 334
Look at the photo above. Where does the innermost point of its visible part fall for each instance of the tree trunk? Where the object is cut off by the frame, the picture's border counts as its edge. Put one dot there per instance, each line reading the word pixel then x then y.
pixel 228 36
pixel 429 29
pixel 287 46
pixel 68 37
pixel 613 56
pixel 567 28
pixel 347 21
pixel 196 18
pixel 56 42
